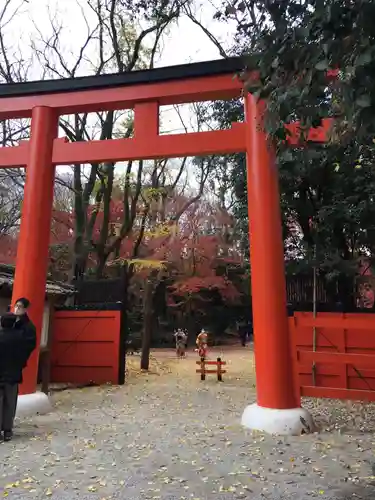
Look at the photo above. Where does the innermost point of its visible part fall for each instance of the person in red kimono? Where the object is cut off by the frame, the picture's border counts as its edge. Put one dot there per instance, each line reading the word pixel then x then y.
pixel 201 343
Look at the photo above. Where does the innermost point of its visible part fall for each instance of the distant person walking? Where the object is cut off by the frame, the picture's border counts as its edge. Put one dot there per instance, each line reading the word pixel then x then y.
pixel 17 342
pixel 181 341
pixel 243 334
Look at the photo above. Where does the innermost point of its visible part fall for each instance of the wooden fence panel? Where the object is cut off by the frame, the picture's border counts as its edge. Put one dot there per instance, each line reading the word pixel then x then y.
pixel 86 347
pixel 344 355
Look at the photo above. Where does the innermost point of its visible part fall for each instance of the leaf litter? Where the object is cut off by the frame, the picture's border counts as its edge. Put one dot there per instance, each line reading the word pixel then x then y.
pixel 168 435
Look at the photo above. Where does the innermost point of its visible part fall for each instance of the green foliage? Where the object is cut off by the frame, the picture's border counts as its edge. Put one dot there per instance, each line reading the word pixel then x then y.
pixel 225 113
pixel 332 202
pixel 294 43
pixel 292 47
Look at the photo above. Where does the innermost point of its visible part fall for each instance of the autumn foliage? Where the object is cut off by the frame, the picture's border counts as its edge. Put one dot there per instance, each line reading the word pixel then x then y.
pixel 8 249
pixel 197 256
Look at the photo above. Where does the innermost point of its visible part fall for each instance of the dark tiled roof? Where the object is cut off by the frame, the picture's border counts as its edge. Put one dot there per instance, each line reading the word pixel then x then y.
pixel 52 287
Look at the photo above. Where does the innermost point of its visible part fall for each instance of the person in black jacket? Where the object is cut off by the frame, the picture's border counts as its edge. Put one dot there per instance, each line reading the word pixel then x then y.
pixel 17 342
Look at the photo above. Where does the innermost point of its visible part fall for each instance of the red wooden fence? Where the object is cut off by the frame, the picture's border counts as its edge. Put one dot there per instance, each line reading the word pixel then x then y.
pixel 344 355
pixel 86 347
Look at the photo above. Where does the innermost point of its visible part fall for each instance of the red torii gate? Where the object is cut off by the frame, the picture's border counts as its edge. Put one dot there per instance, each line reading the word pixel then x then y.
pixel 277 408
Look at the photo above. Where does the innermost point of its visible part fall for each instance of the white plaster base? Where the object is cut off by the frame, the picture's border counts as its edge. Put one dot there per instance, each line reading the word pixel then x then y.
pixel 29 405
pixel 292 422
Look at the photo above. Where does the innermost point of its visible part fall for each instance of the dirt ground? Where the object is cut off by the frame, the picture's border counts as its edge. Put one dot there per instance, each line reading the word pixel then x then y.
pixel 167 435
pixel 240 366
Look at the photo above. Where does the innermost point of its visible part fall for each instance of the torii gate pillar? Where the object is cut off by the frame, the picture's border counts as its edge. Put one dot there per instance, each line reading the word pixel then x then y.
pixel 277 410
pixel 32 252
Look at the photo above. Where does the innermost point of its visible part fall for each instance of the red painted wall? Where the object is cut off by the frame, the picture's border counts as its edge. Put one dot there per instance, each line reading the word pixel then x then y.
pixel 85 347
pixel 345 354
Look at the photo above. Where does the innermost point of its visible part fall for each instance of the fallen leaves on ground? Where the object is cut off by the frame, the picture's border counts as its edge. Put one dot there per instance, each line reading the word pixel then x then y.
pixel 173 435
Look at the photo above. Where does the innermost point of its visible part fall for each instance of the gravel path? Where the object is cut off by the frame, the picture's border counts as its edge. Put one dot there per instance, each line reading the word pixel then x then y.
pixel 173 437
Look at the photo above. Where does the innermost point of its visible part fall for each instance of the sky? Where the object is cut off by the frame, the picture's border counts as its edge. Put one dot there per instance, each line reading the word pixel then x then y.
pixel 185 42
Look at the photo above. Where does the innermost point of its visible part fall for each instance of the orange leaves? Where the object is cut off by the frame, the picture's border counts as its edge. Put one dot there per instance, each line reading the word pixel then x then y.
pixel 196 284
pixel 8 249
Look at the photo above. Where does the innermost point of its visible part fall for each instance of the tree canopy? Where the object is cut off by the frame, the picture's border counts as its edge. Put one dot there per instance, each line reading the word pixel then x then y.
pixel 310 60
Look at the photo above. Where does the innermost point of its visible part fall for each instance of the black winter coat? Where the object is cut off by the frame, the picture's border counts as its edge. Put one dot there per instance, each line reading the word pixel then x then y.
pixel 16 345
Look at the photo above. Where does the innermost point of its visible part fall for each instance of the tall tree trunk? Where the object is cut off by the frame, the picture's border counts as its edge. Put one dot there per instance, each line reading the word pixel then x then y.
pixel 148 311
pixel 79 264
pixel 124 273
pixel 80 260
pixel 101 261
pixel 190 324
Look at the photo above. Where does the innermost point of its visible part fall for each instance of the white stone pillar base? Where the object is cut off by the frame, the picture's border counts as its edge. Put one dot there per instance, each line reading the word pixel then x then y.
pixel 29 405
pixel 292 422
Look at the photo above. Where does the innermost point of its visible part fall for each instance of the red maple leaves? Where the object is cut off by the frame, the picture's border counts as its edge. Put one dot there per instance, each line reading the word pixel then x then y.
pixel 196 248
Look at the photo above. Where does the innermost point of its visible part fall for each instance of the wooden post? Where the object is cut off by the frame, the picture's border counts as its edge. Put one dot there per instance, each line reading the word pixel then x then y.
pixel 46 367
pixel 219 371
pixel 203 368
pixel 124 329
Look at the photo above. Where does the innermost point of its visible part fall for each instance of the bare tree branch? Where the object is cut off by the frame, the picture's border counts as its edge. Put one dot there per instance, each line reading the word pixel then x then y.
pixel 210 36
